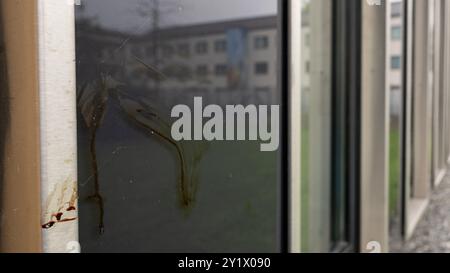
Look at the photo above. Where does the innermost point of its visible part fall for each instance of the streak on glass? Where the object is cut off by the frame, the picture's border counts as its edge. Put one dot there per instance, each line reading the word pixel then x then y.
pixel 138 189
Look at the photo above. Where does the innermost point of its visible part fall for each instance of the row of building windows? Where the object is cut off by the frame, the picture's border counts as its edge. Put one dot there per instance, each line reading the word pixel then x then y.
pixel 396 35
pixel 257 89
pixel 184 71
pixel 200 48
pixel 260 68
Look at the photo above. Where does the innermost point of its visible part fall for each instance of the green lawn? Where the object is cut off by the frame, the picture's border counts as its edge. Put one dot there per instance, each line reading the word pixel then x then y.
pixel 394 171
pixel 304 189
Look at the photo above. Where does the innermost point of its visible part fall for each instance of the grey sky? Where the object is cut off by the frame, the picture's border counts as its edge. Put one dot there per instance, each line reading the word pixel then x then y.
pixel 122 15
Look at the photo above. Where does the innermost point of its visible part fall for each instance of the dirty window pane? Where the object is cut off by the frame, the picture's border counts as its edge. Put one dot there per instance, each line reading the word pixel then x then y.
pixel 140 190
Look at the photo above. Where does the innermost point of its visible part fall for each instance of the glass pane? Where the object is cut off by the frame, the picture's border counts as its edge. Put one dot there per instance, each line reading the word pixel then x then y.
pixel 140 189
pixel 396 117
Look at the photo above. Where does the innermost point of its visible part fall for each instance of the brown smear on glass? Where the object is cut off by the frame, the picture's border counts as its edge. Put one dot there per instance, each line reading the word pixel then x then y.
pixel 93 100
pixel 149 121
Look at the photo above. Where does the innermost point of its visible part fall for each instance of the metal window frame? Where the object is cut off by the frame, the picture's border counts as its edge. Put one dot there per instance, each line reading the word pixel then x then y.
pixel 346 108
pixel 438 168
pixel 320 104
pixel 446 84
pixel 406 134
pixel 374 129
pixel 417 197
pixel 294 119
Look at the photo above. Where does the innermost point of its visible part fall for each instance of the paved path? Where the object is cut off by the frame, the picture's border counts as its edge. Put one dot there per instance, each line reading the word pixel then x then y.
pixel 432 234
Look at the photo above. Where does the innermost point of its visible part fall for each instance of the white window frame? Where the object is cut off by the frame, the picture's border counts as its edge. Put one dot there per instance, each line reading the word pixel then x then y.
pixel 56 31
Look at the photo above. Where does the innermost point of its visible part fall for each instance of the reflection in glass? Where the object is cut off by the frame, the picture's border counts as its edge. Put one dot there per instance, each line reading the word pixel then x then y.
pixel 139 189
pixel 396 97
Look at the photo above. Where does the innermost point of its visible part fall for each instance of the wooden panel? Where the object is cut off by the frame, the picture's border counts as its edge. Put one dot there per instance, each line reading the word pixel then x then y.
pixel 20 196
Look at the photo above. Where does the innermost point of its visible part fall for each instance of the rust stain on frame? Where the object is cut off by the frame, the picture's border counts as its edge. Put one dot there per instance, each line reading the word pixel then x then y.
pixel 61 205
pixel 20 181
